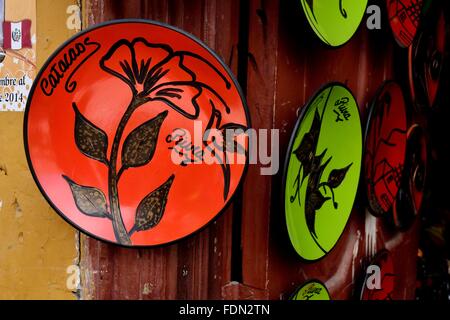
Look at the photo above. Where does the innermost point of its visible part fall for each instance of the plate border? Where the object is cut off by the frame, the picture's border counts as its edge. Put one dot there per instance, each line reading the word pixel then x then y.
pixel 85 32
pixel 289 151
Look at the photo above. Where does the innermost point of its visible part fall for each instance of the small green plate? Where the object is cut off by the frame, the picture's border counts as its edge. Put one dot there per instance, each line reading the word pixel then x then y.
pixel 334 21
pixel 322 171
pixel 311 290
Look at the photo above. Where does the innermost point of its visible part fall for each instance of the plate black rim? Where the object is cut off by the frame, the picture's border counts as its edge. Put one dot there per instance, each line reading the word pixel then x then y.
pixel 289 151
pixel 35 85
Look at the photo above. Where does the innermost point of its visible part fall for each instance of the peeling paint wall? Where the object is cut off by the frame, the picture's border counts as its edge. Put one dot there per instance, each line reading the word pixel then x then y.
pixel 36 246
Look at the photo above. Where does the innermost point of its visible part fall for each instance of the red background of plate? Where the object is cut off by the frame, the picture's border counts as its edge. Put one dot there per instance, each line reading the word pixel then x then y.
pixel 394 155
pixel 196 195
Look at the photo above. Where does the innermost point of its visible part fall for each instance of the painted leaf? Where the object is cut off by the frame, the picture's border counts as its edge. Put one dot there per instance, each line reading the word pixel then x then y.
pixel 151 208
pixel 139 147
pixel 337 176
pixel 317 170
pixel 305 150
pixel 314 202
pixel 89 200
pixel 90 140
pixel 305 153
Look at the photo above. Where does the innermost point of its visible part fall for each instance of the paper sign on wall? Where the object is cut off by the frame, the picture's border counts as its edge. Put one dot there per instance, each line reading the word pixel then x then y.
pixel 17 52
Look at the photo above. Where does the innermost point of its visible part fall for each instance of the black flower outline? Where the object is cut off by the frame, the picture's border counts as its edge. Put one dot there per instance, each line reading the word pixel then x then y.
pixel 146 69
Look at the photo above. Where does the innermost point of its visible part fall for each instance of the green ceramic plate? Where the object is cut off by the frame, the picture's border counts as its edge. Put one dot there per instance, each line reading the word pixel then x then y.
pixel 334 21
pixel 322 171
pixel 311 290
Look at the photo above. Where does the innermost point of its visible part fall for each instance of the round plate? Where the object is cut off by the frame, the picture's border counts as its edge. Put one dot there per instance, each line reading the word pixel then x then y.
pixel 427 58
pixel 410 196
pixel 115 133
pixel 404 18
pixel 312 290
pixel 322 171
pixel 335 21
pixel 384 262
pixel 385 148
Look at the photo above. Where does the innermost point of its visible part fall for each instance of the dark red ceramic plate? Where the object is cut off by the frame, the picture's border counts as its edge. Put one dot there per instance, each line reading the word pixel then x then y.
pixel 385 148
pixel 410 197
pixel 404 18
pixel 427 59
pixel 382 289
pixel 116 133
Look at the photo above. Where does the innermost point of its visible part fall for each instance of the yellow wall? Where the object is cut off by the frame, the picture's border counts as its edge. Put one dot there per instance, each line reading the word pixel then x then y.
pixel 36 245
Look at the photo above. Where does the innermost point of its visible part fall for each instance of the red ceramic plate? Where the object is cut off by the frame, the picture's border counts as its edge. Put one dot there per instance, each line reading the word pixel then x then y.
pixel 410 197
pixel 385 148
pixel 385 264
pixel 434 62
pixel 125 133
pixel 415 80
pixel 404 18
pixel 427 59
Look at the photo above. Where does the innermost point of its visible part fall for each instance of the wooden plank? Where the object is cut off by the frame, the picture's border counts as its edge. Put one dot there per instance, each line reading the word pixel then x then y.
pixel 261 92
pixel 235 290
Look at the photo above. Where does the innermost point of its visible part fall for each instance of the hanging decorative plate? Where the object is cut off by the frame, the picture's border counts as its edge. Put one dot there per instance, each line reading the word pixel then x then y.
pixel 322 171
pixel 385 148
pixel 404 18
pixel 410 196
pixel 125 133
pixel 427 58
pixel 334 21
pixel 311 290
pixel 379 282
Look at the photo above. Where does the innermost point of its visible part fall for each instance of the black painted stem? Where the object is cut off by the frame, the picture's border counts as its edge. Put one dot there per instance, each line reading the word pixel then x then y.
pixel 113 178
